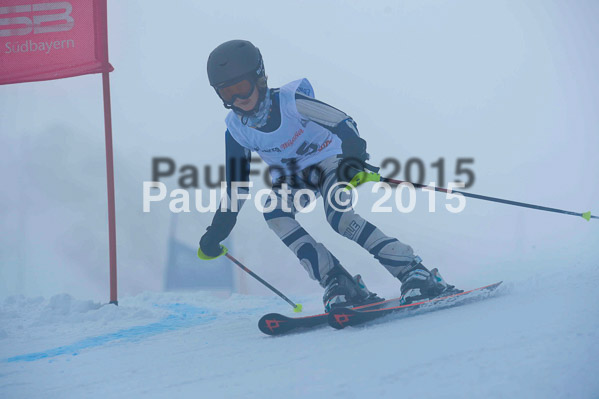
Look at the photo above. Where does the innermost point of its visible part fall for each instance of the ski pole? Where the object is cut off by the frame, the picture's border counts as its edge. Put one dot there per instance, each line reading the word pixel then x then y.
pixel 296 307
pixel 363 177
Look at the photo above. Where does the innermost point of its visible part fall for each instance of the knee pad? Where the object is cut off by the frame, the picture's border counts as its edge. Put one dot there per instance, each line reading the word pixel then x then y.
pixel 280 222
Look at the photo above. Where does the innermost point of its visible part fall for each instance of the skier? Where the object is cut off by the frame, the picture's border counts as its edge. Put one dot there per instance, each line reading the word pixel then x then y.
pixel 304 141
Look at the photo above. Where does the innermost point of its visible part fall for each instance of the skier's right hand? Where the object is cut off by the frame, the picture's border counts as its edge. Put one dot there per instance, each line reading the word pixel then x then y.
pixel 222 225
pixel 210 245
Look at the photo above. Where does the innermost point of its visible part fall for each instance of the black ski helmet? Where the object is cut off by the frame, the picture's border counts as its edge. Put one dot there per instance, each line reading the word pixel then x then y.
pixel 233 61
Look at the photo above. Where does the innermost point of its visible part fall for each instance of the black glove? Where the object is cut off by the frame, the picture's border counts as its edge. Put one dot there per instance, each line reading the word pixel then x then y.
pixel 354 147
pixel 210 244
pixel 354 155
pixel 222 225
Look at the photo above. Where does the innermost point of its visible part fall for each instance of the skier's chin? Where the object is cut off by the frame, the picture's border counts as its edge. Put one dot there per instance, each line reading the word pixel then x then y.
pixel 246 106
pixel 249 103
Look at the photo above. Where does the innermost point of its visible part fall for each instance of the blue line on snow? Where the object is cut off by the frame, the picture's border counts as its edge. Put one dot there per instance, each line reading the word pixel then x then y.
pixel 185 316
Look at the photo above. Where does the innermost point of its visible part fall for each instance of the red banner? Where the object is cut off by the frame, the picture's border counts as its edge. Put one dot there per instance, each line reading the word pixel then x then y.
pixel 52 39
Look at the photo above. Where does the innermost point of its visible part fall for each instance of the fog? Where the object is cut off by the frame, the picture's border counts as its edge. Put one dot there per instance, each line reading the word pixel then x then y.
pixel 513 85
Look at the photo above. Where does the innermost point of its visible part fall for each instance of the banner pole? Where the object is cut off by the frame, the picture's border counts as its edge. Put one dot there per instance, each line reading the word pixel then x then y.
pixel 110 187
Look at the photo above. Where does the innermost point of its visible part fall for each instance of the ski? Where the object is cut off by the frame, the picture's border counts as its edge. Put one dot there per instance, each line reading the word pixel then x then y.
pixel 277 324
pixel 342 317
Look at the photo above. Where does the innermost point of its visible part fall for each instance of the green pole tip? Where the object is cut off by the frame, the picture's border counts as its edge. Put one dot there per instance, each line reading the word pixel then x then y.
pixel 587 216
pixel 297 308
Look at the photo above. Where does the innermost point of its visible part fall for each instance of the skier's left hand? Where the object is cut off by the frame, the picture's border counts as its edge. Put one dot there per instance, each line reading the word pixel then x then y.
pixel 354 155
pixel 354 147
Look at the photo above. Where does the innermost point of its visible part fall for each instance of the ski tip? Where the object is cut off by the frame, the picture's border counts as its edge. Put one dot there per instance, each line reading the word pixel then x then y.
pixel 340 317
pixel 298 308
pixel 587 216
pixel 273 323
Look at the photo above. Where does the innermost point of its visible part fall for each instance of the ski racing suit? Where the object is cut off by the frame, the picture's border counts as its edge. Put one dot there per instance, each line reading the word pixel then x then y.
pixel 302 143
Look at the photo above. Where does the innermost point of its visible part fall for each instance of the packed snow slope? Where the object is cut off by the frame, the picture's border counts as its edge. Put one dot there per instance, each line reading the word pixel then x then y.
pixel 536 338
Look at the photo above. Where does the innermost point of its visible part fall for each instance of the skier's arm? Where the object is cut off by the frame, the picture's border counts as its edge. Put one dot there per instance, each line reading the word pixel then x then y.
pixel 335 120
pixel 237 170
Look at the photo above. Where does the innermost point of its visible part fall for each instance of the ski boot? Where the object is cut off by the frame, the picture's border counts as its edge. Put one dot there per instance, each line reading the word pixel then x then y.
pixel 420 284
pixel 342 290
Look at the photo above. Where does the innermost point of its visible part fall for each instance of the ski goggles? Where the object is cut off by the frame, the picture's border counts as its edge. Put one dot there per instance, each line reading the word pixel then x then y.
pixel 240 90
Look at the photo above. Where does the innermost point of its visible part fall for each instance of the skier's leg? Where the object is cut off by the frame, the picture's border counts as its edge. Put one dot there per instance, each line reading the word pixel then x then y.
pixel 398 258
pixel 394 255
pixel 341 289
pixel 313 256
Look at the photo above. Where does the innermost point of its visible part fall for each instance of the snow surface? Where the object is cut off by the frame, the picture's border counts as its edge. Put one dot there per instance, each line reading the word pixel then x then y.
pixel 536 338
